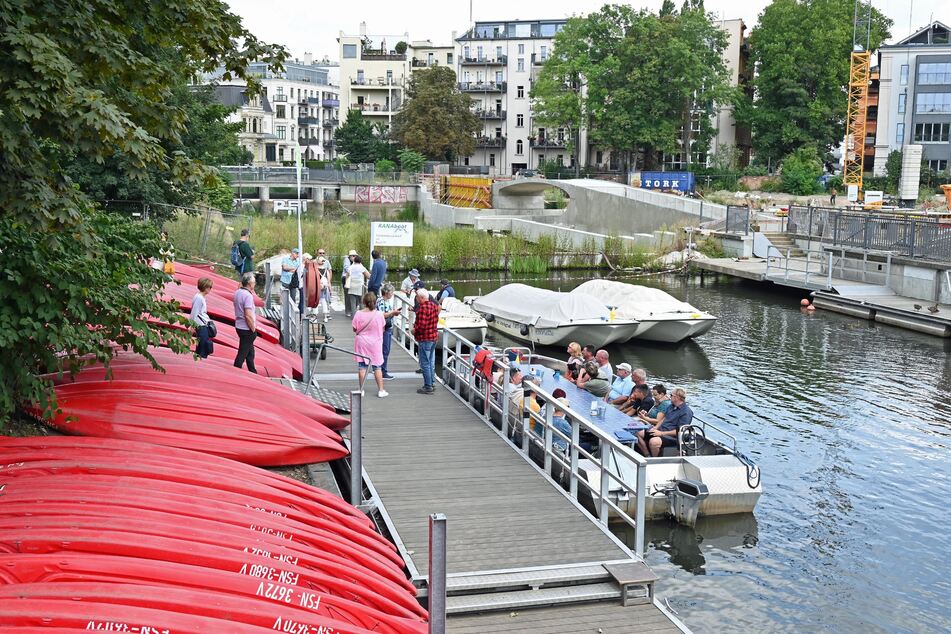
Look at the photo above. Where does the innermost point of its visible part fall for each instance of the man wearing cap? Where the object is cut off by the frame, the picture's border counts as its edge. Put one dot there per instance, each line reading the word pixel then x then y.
pixel 446 291
pixel 622 386
pixel 409 283
pixel 325 271
pixel 290 274
pixel 377 273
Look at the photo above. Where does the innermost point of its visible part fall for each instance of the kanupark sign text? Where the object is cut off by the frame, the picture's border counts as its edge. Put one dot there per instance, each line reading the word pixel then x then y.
pixel 391 234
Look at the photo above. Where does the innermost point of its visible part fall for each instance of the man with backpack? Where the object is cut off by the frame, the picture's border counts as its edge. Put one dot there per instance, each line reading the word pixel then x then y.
pixel 242 255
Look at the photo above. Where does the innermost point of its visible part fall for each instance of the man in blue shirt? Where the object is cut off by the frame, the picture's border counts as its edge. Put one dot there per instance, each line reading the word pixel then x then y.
pixel 679 414
pixel 289 266
pixel 377 273
pixel 446 291
pixel 622 386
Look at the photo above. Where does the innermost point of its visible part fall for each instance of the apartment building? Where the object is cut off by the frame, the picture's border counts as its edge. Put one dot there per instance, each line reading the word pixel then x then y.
pixel 375 71
pixel 297 107
pixel 914 100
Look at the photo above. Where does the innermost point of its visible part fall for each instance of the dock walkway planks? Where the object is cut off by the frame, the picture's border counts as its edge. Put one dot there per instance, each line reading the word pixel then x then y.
pixel 429 454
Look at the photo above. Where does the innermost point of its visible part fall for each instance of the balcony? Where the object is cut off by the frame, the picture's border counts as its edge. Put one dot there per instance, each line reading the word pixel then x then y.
pixel 309 101
pixel 376 108
pixel 423 63
pixel 330 144
pixel 307 121
pixel 482 86
pixel 330 103
pixel 329 124
pixel 490 141
pixel 383 57
pixel 538 60
pixel 547 144
pixel 377 82
pixel 308 141
pixel 279 98
pixel 490 114
pixel 499 60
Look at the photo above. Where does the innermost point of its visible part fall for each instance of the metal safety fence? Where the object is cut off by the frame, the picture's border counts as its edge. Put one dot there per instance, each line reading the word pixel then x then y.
pixel 903 235
pixel 737 219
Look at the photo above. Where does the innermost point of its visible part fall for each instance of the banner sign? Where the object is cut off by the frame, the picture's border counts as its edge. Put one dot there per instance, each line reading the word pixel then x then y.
pixel 391 234
pixel 290 206
pixel 670 181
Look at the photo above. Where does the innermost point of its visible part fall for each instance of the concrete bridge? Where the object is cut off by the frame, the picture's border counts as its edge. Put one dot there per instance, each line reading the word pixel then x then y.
pixel 602 206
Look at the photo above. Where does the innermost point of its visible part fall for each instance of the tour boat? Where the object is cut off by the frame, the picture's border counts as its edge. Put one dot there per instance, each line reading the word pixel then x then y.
pixel 661 316
pixel 549 318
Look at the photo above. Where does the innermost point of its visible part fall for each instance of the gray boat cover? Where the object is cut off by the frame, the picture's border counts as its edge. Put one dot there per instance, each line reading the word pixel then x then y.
pixel 540 307
pixel 638 302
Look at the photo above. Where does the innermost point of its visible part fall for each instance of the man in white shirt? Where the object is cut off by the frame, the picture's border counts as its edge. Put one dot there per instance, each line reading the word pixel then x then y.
pixel 605 371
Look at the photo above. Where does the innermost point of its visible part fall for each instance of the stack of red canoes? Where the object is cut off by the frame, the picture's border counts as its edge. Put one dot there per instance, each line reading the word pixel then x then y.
pixel 201 405
pixel 112 534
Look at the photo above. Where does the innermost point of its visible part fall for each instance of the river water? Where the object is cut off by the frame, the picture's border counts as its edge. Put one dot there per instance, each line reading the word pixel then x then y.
pixel 851 424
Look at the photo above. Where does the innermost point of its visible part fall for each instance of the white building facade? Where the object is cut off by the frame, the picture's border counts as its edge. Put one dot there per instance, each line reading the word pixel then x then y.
pixel 914 103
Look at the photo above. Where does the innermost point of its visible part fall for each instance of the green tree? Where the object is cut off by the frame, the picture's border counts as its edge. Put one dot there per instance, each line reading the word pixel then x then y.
pixel 437 119
pixel 96 80
pixel 801 171
pixel 610 72
pixel 801 50
pixel 360 139
pixel 892 171
pixel 411 161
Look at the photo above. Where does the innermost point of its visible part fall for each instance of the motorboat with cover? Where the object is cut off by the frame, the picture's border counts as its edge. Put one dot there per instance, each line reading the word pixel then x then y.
pixel 662 317
pixel 464 321
pixel 550 318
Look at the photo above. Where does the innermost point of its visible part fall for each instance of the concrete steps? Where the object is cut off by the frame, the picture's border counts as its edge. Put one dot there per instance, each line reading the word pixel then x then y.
pixel 784 243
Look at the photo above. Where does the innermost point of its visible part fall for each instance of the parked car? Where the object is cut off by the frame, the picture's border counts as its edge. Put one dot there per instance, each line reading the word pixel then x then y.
pixel 526 173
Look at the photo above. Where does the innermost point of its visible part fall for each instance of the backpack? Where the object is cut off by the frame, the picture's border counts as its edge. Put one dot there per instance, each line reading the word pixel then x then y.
pixel 237 260
pixel 482 363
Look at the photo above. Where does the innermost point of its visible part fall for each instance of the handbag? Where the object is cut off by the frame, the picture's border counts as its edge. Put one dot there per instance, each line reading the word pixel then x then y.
pixel 212 329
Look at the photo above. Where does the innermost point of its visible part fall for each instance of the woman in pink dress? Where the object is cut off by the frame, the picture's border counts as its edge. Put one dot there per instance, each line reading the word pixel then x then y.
pixel 368 325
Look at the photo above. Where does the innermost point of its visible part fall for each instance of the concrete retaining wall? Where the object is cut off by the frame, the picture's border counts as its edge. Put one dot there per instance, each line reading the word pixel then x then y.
pixel 532 231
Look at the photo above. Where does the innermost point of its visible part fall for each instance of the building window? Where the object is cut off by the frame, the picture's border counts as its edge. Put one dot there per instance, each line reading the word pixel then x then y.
pixel 491 160
pixel 544 53
pixel 281 131
pixel 934 73
pixel 279 112
pixel 479 54
pixel 350 51
pixel 521 49
pixel 900 134
pixel 498 133
pixel 519 147
pixel 903 75
pixel 521 64
pixel 541 160
pixel 520 92
pixel 498 53
pixel 465 52
pixel 449 59
pixel 519 121
pixel 599 157
pixel 902 98
pixel 938 165
pixel 561 160
pixel 465 161
pixel 280 154
pixel 389 78
pixel 932 132
pixel 930 102
pixel 498 77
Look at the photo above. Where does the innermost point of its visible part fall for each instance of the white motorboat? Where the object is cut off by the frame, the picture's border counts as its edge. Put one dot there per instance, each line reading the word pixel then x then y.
pixel 550 318
pixel 662 317
pixel 462 319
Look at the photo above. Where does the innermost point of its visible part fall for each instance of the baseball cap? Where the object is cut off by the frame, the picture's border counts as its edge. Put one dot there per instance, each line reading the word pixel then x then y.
pixel 412 272
pixel 295 250
pixel 624 366
pixel 444 282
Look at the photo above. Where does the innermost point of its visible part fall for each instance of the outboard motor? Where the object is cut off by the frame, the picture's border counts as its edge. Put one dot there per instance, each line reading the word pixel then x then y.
pixel 684 500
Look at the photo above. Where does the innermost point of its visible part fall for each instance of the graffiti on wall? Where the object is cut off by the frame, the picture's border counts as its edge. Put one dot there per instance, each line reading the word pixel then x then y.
pixel 380 194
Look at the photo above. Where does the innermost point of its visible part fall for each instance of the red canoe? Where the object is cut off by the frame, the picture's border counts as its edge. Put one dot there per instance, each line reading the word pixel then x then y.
pixel 53 540
pixel 182 499
pixel 40 614
pixel 239 540
pixel 135 411
pixel 34 447
pixel 219 309
pixel 223 285
pixel 85 568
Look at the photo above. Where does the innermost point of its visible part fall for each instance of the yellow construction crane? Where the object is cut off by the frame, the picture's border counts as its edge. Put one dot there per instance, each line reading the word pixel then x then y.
pixel 859 72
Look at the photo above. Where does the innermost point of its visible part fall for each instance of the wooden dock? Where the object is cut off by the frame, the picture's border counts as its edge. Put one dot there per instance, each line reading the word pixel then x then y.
pixel 521 555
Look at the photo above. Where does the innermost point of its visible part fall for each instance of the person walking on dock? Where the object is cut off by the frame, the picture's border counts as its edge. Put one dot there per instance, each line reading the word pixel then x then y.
pixel 199 317
pixel 377 272
pixel 357 276
pixel 244 259
pixel 326 280
pixel 368 326
pixel 425 331
pixel 244 322
pixel 832 193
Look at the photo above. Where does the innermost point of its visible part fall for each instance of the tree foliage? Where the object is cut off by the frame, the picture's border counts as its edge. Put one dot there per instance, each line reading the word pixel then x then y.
pixel 893 171
pixel 436 120
pixel 801 50
pixel 411 161
pixel 611 72
pixel 97 81
pixel 361 140
pixel 801 170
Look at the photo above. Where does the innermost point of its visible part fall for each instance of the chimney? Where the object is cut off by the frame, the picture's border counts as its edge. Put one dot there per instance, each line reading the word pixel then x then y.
pixel 363 29
pixel 308 58
pixel 454 33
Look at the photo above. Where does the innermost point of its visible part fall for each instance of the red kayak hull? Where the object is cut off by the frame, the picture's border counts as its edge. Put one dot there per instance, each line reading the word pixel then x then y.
pixel 223 285
pixel 219 309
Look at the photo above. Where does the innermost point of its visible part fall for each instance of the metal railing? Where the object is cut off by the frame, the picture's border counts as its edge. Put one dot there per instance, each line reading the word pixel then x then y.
pixel 737 219
pixel 516 421
pixel 287 176
pixel 902 234
pixel 822 267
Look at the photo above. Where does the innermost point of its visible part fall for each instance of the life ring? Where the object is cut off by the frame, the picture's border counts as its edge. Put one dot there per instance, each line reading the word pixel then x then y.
pixel 312 280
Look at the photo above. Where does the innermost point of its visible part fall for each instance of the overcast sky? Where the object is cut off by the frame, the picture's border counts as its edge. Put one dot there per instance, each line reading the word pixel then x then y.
pixel 309 26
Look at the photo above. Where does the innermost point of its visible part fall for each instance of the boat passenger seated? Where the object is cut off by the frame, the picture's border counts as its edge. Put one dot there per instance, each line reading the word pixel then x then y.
pixel 640 401
pixel 575 361
pixel 605 371
pixel 622 386
pixel 638 377
pixel 559 422
pixel 592 382
pixel 655 417
pixel 678 415
pixel 587 354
